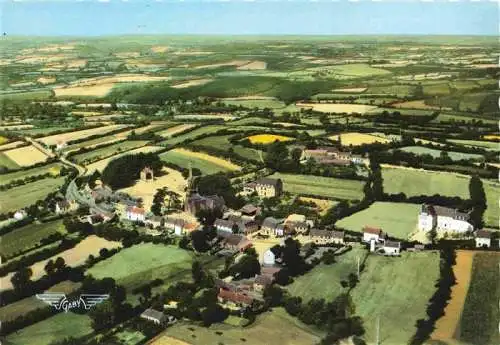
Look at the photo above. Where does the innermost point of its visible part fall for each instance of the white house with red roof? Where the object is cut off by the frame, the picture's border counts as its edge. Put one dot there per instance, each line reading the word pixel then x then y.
pixel 135 214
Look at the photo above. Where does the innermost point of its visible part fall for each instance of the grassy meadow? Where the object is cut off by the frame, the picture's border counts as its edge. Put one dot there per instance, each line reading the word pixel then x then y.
pixel 28 236
pixel 397 219
pixel 414 182
pixel 313 284
pixel 397 290
pixel 480 315
pixel 26 195
pixel 52 329
pixel 321 186
pixel 262 331
pixel 52 168
pixel 222 143
pixel 142 263
pixel 207 167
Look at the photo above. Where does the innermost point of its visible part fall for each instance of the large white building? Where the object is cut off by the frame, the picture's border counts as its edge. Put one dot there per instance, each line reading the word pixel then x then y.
pixel 443 219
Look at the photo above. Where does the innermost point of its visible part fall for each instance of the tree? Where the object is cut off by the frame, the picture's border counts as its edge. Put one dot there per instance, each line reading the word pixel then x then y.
pixel 235 229
pixel 247 267
pixel 22 279
pixel 103 316
pixel 197 272
pixel 323 118
pixel 296 154
pixel 199 241
pixel 478 200
pixel 273 296
pixel 277 155
pixel 184 242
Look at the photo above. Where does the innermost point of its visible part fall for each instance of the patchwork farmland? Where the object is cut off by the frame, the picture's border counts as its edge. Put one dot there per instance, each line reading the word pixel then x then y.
pixel 223 249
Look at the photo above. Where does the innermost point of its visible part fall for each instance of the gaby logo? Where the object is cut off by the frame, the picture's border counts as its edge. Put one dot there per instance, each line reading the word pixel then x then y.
pixel 60 302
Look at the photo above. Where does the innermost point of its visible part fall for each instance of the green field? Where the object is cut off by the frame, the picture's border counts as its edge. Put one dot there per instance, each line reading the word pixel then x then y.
pixel 256 103
pixel 395 89
pixel 18 197
pixel 397 219
pixel 6 162
pixel 472 101
pixel 348 71
pixel 142 263
pixel 28 236
pixel 107 151
pixel 492 213
pixel 28 95
pixel 54 328
pixel 479 321
pixel 273 327
pixel 92 142
pixel 222 143
pixel 437 89
pixel 206 167
pixel 321 186
pixel 397 290
pixel 42 170
pixel 192 134
pixel 419 150
pixel 416 182
pixel 313 284
pixel 250 121
pixel 477 143
pixel 458 117
pixel 13 310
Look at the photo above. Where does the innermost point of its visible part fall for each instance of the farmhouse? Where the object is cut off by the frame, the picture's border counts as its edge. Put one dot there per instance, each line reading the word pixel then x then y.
pixel 443 219
pixel 64 206
pixel 326 236
pixel 196 202
pixel 135 214
pixel 261 282
pixel 483 239
pixel 223 225
pixel 269 259
pixel 331 155
pixel 370 234
pixel 154 221
pixel 250 210
pixel 236 242
pixel 269 226
pixel 154 316
pixel 147 174
pixel 268 187
pixel 20 215
pixel 392 247
pixel 235 300
pixel 176 225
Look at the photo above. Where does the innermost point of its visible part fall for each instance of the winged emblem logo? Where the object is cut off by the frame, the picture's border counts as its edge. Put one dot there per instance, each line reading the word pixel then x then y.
pixel 61 302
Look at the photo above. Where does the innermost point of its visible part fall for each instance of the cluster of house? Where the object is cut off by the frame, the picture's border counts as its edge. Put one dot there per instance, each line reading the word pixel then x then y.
pixel 332 155
pixel 449 220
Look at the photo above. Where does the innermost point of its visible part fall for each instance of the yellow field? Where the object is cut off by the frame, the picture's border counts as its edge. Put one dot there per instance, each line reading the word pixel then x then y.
pixel 26 156
pixel 492 137
pixel 267 138
pixel 172 179
pixel 253 65
pixel 159 49
pixel 73 257
pixel 191 83
pixel 338 108
pixel 356 139
pixel 323 205
pixel 46 80
pixel 212 159
pixel 447 324
pixel 3 140
pixel 65 137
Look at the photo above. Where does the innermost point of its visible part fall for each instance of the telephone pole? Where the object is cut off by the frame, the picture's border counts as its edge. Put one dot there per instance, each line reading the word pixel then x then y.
pixel 378 331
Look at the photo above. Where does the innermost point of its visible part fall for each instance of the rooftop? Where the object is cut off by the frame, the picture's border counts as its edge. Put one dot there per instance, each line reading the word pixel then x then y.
pixel 483 234
pixel 152 313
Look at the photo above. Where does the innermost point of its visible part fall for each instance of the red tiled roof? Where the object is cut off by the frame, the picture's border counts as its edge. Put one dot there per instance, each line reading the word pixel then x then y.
pixel 136 210
pixel 370 230
pixel 234 297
